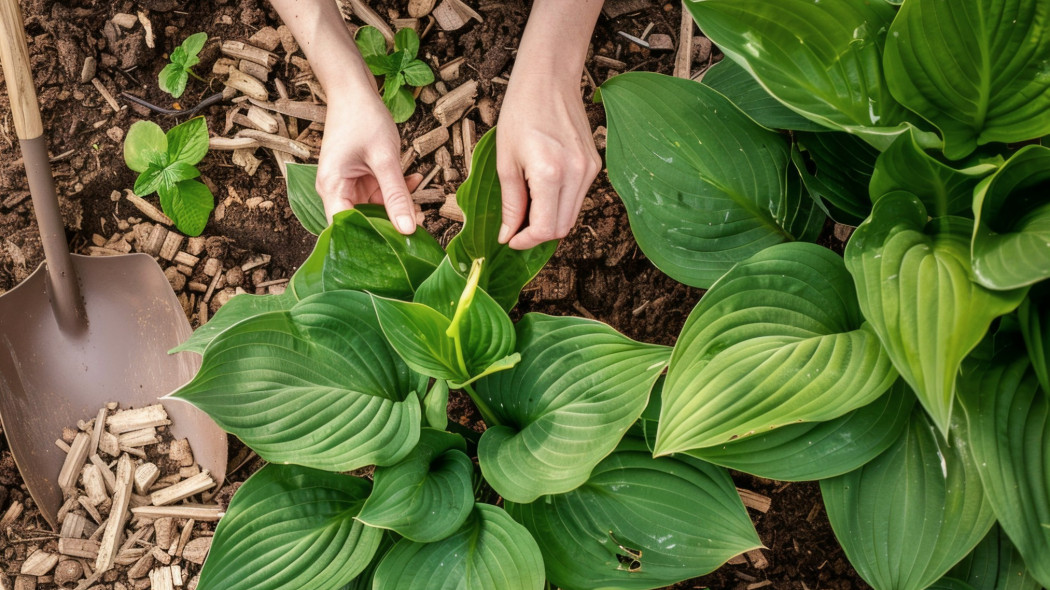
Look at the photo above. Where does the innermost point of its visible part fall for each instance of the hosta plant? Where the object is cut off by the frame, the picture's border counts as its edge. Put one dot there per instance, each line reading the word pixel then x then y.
pixel 351 367
pixel 909 375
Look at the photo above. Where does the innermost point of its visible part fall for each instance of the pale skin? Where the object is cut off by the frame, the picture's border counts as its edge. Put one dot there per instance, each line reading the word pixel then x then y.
pixel 544 149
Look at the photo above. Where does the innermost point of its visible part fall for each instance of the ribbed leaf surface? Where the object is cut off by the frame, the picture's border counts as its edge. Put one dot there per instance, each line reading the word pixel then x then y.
pixel 995 564
pixel 913 281
pixel 490 551
pixel 639 522
pixel 703 185
pixel 238 308
pixel 739 86
pixel 977 69
pixel 307 205
pixel 289 528
pixel 578 388
pixel 317 386
pixel 908 516
pixel 779 339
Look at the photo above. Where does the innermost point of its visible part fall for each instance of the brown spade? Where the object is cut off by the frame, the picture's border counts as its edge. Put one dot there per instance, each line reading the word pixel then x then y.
pixel 82 331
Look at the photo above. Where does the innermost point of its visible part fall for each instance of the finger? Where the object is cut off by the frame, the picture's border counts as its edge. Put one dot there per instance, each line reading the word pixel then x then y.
pixel 335 195
pixel 395 195
pixel 543 217
pixel 514 195
pixel 572 199
pixel 413 181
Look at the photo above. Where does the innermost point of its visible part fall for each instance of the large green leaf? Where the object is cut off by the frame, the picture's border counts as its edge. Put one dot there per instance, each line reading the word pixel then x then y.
pixel 362 252
pixel 428 495
pixel 912 513
pixel 995 564
pixel 506 270
pixel 1009 432
pixel 913 282
pixel 822 59
pixel 1011 241
pixel 239 308
pixel 779 339
pixel 818 450
pixel 452 330
pixel 703 185
pixel 943 189
pixel 289 528
pixel 317 385
pixel 302 196
pixel 578 388
pixel 639 522
pixel 1034 318
pixel 740 87
pixel 843 165
pixel 490 551
pixel 977 69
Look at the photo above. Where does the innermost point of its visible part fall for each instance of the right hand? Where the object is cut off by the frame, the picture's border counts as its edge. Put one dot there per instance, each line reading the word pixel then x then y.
pixel 360 160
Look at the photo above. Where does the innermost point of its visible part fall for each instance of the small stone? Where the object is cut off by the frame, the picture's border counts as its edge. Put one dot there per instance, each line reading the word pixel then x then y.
pixel 235 277
pixel 260 275
pixel 180 451
pixel 212 267
pixel 221 298
pixel 266 38
pixel 253 202
pixel 660 42
pixel 88 71
pixel 68 571
pixel 124 20
pixel 115 133
pixel 177 279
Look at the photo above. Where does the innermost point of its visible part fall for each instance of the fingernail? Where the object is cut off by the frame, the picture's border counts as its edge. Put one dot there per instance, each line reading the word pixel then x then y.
pixel 504 234
pixel 405 224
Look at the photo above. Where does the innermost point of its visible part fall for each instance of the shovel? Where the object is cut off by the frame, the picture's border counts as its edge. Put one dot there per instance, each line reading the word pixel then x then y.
pixel 82 331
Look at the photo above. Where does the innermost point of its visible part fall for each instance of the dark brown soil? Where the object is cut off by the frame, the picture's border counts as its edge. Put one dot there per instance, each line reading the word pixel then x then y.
pixel 597 271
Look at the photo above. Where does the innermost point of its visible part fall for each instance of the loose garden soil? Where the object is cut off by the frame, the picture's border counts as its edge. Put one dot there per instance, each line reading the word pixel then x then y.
pixel 597 271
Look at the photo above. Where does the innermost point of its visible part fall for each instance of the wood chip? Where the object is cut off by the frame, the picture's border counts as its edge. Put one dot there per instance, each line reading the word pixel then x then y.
pixel 96 433
pixel 430 141
pixel 75 458
pixel 754 500
pixel 247 85
pixel 429 196
pixel 470 137
pixel 112 102
pixel 171 246
pixel 145 475
pixel 74 526
pixel 85 548
pixel 94 485
pixel 758 559
pixel 11 514
pixel 118 513
pixel 147 208
pixel 204 513
pixel 39 563
pixel 197 550
pixel 160 579
pixel 276 142
pixel 309 111
pixel 452 15
pixel 241 50
pixel 151 40
pixel 450 108
pixel 184 489
pixel 108 443
pixel 369 16
pixel 257 71
pixel 135 419
pixel 227 144
pixel 451 210
pixel 683 61
pixel 609 62
pixel 420 8
pixel 265 38
pixel 142 567
pixel 261 119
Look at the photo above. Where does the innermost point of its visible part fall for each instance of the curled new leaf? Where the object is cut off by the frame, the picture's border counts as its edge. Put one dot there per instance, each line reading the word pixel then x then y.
pixel 913 283
pixel 578 388
pixel 289 528
pixel 639 522
pixel 779 339
pixel 324 388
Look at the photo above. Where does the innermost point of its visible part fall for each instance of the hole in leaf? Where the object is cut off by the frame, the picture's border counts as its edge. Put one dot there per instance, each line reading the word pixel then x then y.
pixel 630 559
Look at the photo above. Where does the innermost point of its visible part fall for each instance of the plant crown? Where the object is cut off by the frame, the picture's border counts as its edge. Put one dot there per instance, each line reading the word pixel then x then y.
pixel 400 68
pixel 173 77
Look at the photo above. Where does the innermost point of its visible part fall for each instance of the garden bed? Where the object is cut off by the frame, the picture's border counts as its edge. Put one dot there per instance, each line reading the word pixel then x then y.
pixel 596 272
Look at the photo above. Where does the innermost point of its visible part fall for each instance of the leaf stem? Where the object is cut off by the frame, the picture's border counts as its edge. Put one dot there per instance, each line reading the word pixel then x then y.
pixel 486 411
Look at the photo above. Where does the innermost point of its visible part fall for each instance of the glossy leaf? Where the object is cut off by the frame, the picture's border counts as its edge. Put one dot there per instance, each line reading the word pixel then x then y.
pixel 490 551
pixel 740 87
pixel 843 168
pixel 977 69
pixel 316 385
pixel 302 196
pixel 289 528
pixel 779 339
pixel 1034 318
pixel 704 186
pixel 578 388
pixel 639 522
pixel 240 307
pixel 995 564
pixel 913 282
pixel 819 450
pixel 435 405
pixel 908 516
pixel 145 144
pixel 428 495
pixel 506 270
pixel 1011 241
pixel 1009 431
pixel 943 190
pixel 453 330
pixel 821 59
pixel 418 73
pixel 366 253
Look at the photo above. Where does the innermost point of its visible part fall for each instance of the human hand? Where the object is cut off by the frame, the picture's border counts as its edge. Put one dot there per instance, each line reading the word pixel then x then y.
pixel 544 151
pixel 360 161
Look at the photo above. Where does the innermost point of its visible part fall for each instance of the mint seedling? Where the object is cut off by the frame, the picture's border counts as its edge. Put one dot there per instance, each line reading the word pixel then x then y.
pixel 173 77
pixel 165 163
pixel 399 69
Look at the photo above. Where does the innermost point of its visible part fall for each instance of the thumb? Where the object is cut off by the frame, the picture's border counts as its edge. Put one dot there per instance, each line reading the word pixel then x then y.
pixel 515 198
pixel 396 199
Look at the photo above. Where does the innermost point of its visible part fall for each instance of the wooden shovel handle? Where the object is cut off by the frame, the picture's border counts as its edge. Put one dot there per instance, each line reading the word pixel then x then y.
pixel 14 54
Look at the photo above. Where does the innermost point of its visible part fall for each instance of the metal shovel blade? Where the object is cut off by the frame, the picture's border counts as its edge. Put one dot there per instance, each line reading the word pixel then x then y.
pixel 50 378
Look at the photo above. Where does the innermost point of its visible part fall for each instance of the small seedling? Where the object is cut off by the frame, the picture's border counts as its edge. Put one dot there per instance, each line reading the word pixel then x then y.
pixel 400 69
pixel 173 77
pixel 165 163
